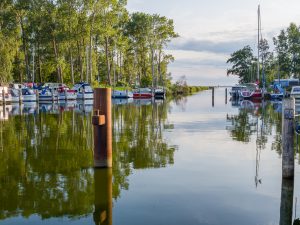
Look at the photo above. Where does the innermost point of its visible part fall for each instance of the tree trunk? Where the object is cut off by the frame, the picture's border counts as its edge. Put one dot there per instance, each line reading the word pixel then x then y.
pixel 159 69
pixel 107 61
pixel 58 69
pixel 72 66
pixel 80 62
pixel 152 66
pixel 25 49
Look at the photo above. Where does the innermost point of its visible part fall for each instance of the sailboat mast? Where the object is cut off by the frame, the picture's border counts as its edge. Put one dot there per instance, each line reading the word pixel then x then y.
pixel 258 40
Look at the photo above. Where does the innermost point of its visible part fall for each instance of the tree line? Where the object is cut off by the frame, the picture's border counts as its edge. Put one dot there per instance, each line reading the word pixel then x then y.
pixel 283 62
pixel 82 40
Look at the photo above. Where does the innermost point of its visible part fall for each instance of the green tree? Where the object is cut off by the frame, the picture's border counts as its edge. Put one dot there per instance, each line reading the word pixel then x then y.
pixel 242 64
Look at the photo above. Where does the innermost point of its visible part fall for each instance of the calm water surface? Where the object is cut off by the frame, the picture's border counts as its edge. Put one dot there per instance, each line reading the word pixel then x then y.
pixel 176 162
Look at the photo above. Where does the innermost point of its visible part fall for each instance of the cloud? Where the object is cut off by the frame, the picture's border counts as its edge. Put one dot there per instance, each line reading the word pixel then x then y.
pixel 219 47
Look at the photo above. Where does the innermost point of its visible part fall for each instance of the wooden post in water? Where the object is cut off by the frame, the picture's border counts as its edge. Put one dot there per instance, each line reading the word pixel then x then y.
pixel 288 139
pixel 226 96
pixel 20 96
pixel 102 128
pixel 66 98
pixel 286 205
pixel 213 96
pixel 52 94
pixel 103 196
pixel 3 97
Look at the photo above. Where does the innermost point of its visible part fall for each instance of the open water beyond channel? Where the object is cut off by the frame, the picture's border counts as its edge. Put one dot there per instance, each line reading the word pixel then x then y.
pixel 174 162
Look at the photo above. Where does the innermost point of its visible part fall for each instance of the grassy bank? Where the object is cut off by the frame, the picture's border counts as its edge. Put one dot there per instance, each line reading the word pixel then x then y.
pixel 186 90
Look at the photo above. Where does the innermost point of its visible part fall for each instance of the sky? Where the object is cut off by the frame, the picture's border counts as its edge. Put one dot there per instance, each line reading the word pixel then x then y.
pixel 210 30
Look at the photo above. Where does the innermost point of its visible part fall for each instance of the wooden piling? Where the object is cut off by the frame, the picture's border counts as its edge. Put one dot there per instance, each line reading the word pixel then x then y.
pixel 103 196
pixel 66 97
pixel 286 205
pixel 288 139
pixel 102 128
pixel 226 98
pixel 52 94
pixel 37 96
pixel 20 96
pixel 3 97
pixel 213 97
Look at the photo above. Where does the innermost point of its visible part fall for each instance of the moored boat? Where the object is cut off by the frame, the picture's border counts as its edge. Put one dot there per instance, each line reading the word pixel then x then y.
pixel 83 90
pixel 159 93
pixel 235 90
pixel 122 94
pixel 65 94
pixel 143 93
pixel 48 95
pixel 252 91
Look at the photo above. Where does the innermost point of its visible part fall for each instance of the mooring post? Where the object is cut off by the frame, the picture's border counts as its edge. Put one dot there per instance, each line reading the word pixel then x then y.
pixel 286 205
pixel 66 98
pixel 20 96
pixel 3 97
pixel 103 196
pixel 226 96
pixel 288 139
pixel 37 96
pixel 213 96
pixel 102 128
pixel 52 94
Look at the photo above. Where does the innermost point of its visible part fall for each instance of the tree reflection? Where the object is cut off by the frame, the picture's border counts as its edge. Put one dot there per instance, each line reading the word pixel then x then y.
pixel 47 159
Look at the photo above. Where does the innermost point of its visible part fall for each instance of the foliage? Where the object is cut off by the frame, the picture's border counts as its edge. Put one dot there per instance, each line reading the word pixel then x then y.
pixel 242 62
pixel 82 40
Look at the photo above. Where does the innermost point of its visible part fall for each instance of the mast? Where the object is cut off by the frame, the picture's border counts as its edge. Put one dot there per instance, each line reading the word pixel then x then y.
pixel 258 39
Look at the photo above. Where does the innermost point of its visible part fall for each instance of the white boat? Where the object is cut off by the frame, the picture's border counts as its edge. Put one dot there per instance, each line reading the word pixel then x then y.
pixel 65 94
pixel 83 90
pixel 236 91
pixel 28 95
pixel 122 94
pixel 252 91
pixel 48 95
pixel 7 96
pixel 295 92
pixel 159 93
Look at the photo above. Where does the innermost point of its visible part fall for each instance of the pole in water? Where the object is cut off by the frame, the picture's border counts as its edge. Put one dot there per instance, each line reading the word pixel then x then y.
pixel 286 205
pixel 102 128
pixel 226 96
pixel 20 96
pixel 213 97
pixel 103 196
pixel 288 139
pixel 3 97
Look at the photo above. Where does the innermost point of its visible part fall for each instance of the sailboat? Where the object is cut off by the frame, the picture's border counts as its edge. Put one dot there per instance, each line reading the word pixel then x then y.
pixel 253 91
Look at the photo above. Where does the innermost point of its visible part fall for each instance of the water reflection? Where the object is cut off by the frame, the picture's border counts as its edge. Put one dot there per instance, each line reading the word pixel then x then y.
pixel 46 154
pixel 286 206
pixel 103 196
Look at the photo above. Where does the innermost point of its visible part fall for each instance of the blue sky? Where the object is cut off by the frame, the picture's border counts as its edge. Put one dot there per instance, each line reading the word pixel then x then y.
pixel 210 30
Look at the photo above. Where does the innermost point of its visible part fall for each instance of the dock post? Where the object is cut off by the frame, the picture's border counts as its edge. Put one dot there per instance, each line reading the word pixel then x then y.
pixel 103 196
pixel 213 96
pixel 20 96
pixel 37 96
pixel 226 98
pixel 288 139
pixel 66 98
pixel 52 94
pixel 3 97
pixel 102 128
pixel 286 205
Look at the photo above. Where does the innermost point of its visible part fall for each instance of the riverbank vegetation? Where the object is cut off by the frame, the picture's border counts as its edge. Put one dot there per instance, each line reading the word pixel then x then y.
pixel 283 62
pixel 97 41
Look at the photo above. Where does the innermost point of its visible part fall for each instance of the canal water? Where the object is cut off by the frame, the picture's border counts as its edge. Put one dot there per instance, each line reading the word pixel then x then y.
pixel 185 161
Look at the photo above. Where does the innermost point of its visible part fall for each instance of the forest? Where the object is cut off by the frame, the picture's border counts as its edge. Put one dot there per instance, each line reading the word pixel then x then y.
pixel 280 61
pixel 97 41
